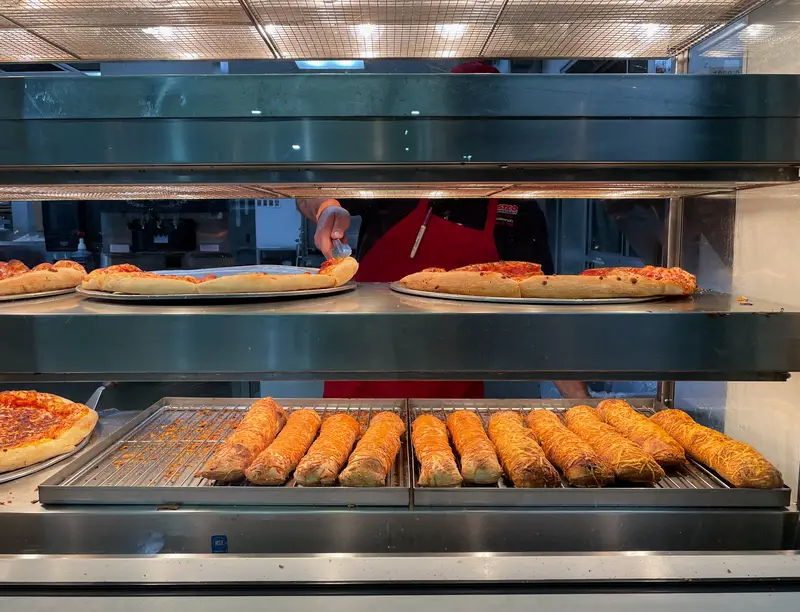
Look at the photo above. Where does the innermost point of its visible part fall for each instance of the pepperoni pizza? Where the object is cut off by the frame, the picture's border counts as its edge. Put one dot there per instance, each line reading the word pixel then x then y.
pixel 129 279
pixel 37 426
pixel 521 279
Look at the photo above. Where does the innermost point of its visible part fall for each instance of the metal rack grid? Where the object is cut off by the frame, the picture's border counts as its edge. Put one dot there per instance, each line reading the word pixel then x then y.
pixel 369 28
pixel 377 41
pixel 81 13
pixel 180 191
pixel 692 486
pixel 153 461
pixel 18 45
pixel 160 43
pixel 194 191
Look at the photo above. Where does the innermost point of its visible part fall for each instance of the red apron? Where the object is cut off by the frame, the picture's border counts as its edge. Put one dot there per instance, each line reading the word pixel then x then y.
pixel 445 245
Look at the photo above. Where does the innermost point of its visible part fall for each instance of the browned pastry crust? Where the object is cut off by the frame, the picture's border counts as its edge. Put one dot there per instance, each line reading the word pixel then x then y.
pixel 639 429
pixel 327 456
pixel 581 465
pixel 254 433
pixel 738 463
pixel 628 461
pixel 523 460
pixel 274 465
pixel 375 452
pixel 437 462
pixel 479 463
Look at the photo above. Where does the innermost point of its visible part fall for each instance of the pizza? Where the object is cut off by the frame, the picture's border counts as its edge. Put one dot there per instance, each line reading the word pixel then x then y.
pixel 17 279
pixel 676 280
pixel 37 426
pixel 128 279
pixel 521 279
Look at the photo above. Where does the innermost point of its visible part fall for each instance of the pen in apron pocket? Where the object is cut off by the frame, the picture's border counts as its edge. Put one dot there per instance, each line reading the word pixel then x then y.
pixel 421 232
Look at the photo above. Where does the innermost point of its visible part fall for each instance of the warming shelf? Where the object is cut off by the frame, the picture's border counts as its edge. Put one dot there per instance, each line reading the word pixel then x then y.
pixel 375 333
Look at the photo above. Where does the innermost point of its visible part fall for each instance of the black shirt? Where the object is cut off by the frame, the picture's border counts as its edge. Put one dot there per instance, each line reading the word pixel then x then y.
pixel 520 231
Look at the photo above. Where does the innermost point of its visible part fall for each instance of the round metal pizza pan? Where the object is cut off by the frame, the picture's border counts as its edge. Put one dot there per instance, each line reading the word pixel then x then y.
pixel 214 297
pixel 38 467
pixel 509 300
pixel 40 294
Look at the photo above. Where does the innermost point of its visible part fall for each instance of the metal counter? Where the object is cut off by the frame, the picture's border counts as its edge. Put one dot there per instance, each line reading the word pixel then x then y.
pixel 377 334
pixel 30 528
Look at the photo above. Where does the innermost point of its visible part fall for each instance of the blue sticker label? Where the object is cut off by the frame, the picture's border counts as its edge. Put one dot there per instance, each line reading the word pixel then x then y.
pixel 219 544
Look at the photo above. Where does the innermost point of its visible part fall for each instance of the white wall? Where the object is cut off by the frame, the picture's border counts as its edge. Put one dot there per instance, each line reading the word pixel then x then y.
pixel 766 263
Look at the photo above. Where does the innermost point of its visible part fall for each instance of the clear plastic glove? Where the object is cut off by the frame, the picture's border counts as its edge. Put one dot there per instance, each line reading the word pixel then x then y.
pixel 332 224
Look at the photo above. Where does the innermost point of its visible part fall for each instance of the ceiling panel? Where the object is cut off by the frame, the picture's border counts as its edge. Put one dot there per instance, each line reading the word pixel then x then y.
pixel 44 13
pixel 160 43
pixel 386 41
pixel 386 12
pixel 610 28
pixel 17 45
pixel 585 39
pixel 353 29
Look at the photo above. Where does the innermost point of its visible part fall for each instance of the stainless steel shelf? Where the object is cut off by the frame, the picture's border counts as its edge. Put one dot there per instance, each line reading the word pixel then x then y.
pixel 393 135
pixel 388 335
pixel 30 527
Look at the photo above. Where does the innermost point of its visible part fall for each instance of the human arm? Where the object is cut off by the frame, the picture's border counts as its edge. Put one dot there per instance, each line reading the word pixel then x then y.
pixel 572 389
pixel 331 218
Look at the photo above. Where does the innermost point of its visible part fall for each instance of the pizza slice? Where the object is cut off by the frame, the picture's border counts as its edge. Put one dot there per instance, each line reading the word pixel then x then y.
pixel 676 280
pixel 126 278
pixel 17 279
pixel 494 279
pixel 37 426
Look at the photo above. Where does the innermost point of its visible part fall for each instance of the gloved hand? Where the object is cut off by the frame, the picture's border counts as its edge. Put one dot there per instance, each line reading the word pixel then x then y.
pixel 332 224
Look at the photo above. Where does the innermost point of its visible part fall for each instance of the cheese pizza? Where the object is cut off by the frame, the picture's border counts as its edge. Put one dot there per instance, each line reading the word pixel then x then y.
pixel 17 279
pixel 37 426
pixel 129 279
pixel 525 280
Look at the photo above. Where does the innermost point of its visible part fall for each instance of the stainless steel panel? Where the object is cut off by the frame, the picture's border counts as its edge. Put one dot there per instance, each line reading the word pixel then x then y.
pixel 629 600
pixel 282 132
pixel 86 144
pixel 390 335
pixel 691 487
pixel 155 458
pixel 409 96
pixel 457 570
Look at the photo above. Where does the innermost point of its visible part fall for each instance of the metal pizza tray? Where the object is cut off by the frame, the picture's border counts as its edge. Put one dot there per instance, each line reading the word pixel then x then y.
pixel 43 465
pixel 153 460
pixel 38 294
pixel 215 297
pixel 692 487
pixel 510 300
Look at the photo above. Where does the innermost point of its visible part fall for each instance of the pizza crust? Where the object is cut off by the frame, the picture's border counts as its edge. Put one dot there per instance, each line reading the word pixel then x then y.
pixel 590 287
pixel 23 456
pixel 147 285
pixel 263 283
pixel 342 270
pixel 41 280
pixel 488 284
